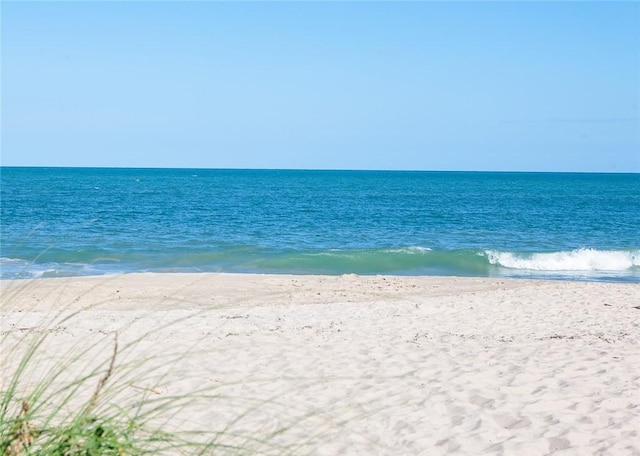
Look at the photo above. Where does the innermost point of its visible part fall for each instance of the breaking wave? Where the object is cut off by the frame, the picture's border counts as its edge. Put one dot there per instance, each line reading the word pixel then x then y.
pixel 574 260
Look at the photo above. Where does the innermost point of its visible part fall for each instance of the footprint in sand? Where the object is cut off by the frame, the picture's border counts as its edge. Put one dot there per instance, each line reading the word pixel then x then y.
pixel 558 443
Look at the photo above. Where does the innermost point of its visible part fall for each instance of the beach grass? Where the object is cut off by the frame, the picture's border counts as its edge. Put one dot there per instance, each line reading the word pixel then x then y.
pixel 104 396
pixel 72 406
pixel 53 418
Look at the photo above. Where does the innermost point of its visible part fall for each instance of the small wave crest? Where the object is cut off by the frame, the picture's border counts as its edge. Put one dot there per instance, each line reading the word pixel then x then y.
pixel 574 260
pixel 413 250
pixel 15 268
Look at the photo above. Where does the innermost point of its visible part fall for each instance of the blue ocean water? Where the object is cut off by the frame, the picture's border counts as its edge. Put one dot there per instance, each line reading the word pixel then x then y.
pixel 86 221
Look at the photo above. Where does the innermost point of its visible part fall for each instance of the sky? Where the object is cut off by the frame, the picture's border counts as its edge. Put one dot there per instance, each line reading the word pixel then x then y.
pixel 478 86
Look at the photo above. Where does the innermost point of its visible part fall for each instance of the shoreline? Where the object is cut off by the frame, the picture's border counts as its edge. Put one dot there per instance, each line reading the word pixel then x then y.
pixel 537 277
pixel 383 364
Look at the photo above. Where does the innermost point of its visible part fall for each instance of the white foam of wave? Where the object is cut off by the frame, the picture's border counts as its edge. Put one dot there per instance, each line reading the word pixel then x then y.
pixel 14 268
pixel 410 250
pixel 355 253
pixel 574 260
pixel 8 261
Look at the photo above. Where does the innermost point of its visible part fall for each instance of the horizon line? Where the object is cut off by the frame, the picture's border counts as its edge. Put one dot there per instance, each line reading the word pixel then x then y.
pixel 316 169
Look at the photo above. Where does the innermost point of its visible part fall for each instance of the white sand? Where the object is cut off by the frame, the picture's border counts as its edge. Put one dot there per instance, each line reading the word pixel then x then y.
pixel 365 365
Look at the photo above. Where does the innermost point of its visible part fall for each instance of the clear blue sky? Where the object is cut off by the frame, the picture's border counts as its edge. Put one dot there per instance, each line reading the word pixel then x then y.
pixel 543 86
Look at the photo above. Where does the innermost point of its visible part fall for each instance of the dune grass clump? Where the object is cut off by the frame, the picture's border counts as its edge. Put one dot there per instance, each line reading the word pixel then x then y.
pixel 58 418
pixel 98 397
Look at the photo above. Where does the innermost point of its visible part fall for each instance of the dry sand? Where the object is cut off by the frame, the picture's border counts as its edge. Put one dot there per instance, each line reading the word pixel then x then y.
pixel 354 365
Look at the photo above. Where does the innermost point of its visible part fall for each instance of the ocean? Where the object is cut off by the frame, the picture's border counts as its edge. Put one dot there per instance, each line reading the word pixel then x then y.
pixel 60 222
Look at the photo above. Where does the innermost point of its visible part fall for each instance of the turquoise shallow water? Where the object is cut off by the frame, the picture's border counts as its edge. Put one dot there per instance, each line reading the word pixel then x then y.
pixel 82 221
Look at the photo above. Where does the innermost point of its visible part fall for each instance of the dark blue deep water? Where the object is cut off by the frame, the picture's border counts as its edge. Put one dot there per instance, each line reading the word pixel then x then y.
pixel 83 221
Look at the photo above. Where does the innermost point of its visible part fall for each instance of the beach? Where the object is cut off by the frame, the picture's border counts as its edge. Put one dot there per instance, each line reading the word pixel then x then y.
pixel 359 365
